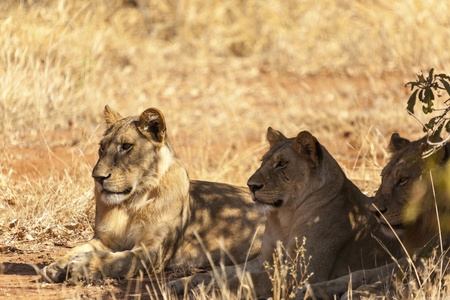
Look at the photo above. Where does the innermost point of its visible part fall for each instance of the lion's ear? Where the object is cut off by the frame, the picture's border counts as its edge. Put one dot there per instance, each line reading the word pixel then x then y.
pixel 397 142
pixel 307 147
pixel 111 116
pixel 274 136
pixel 152 125
pixel 440 157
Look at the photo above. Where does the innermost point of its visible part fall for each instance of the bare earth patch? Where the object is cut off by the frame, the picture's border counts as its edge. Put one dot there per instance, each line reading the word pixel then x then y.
pixel 19 279
pixel 19 265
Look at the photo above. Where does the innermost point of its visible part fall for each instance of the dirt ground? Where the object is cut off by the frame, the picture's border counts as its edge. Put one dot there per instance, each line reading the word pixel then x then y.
pixel 20 281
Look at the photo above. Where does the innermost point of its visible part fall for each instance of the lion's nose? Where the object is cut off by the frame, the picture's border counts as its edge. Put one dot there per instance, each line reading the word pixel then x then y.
pixel 101 179
pixel 254 187
pixel 377 211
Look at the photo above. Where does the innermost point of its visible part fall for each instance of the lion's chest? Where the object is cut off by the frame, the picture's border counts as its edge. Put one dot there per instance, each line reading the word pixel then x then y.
pixel 290 226
pixel 117 230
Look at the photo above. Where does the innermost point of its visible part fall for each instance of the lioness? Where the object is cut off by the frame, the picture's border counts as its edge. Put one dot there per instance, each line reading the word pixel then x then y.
pixel 405 197
pixel 405 208
pixel 305 193
pixel 148 212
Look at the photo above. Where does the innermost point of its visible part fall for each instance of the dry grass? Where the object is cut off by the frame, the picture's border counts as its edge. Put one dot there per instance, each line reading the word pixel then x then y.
pixel 221 72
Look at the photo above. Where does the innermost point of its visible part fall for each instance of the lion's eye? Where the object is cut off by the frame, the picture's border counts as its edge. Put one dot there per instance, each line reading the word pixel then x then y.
pixel 101 149
pixel 126 146
pixel 280 164
pixel 402 180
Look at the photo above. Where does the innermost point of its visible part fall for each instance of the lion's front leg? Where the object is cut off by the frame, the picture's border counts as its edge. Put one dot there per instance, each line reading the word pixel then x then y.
pixel 102 264
pixel 231 275
pixel 57 271
pixel 356 280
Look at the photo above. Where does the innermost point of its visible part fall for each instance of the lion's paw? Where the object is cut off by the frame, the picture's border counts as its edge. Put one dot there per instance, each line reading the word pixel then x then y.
pixel 84 267
pixel 178 286
pixel 55 272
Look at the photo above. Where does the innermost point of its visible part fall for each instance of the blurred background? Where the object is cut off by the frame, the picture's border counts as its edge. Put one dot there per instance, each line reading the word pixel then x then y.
pixel 220 71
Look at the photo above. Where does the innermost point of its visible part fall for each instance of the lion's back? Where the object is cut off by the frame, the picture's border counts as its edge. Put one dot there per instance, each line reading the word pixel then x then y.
pixel 222 214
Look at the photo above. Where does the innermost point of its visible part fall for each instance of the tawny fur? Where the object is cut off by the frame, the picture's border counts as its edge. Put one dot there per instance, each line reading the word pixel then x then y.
pixel 306 194
pixel 406 209
pixel 405 197
pixel 148 212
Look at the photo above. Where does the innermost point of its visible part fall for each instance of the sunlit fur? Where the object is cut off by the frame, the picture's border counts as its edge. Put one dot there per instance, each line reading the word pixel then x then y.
pixel 148 212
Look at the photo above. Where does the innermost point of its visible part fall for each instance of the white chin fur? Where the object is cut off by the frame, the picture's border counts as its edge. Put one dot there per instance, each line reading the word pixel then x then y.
pixel 112 199
pixel 388 231
pixel 264 208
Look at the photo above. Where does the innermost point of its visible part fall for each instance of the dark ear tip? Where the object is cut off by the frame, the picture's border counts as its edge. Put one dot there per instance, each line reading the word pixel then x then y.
pixel 395 135
pixel 152 124
pixel 154 112
pixel 397 142
pixel 108 108
pixel 305 134
pixel 307 146
pixel 305 137
pixel 110 115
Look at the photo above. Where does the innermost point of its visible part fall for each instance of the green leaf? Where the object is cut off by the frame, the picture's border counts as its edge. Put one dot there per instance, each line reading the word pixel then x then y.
pixel 412 102
pixel 420 77
pixel 430 76
pixel 421 96
pixel 446 85
pixel 430 123
pixel 429 96
pixel 430 106
pixel 413 84
pixel 427 108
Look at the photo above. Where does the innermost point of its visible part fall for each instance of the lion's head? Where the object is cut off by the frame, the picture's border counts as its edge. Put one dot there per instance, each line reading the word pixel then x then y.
pixel 133 156
pixel 290 171
pixel 404 203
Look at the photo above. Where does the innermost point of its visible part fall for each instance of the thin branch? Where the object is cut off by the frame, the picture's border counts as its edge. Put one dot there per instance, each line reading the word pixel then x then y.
pixel 410 113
